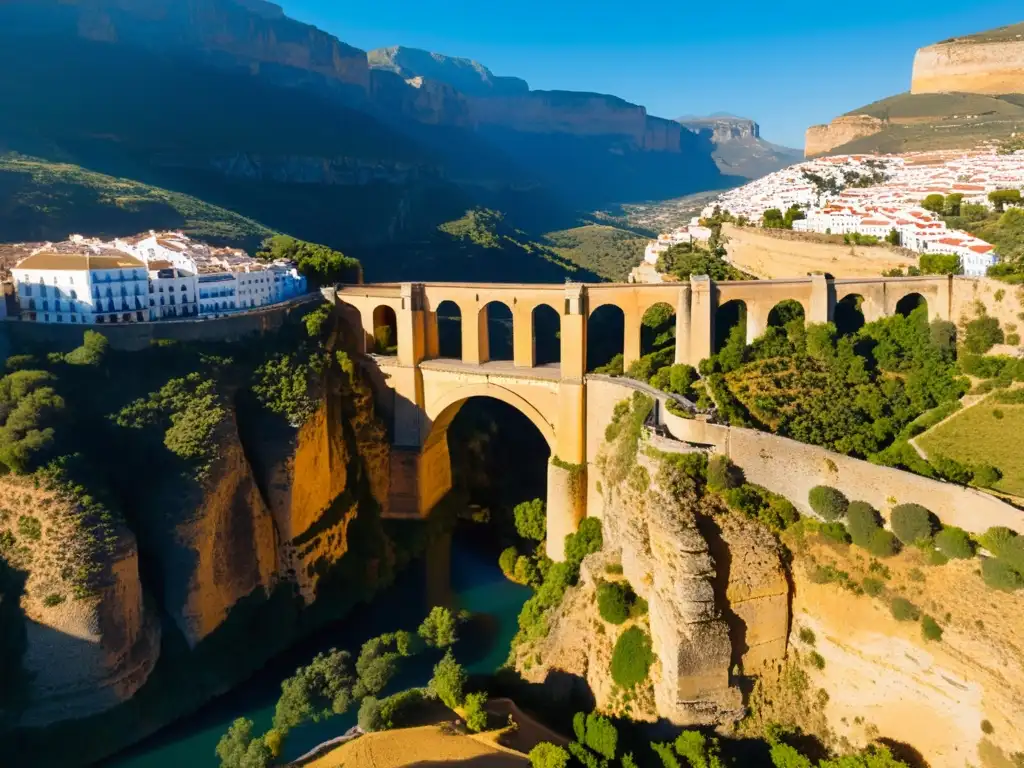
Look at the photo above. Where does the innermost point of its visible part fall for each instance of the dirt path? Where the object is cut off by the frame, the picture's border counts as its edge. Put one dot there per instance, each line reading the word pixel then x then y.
pixel 766 256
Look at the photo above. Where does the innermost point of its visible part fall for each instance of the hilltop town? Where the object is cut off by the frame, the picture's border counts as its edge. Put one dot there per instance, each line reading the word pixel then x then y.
pixel 895 198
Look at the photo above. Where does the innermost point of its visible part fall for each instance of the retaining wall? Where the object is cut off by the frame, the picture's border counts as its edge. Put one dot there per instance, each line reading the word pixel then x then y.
pixel 135 336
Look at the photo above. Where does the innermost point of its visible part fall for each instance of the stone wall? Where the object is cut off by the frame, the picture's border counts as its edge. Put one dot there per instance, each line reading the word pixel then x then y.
pixel 131 337
pixel 1000 300
pixel 791 469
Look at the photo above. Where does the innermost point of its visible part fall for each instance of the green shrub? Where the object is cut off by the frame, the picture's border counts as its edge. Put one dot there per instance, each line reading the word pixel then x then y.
pixel 438 630
pixel 448 681
pixel 834 532
pixel 998 540
pixel 613 601
pixel 547 755
pixel 632 658
pixel 986 476
pixel 904 610
pixel 982 334
pixel 531 520
pixel 912 523
pixel 507 561
pixel 817 660
pixel 930 629
pixel 986 727
pixel 999 574
pixel 1013 339
pixel 526 572
pixel 806 635
pixel 585 541
pixel 872 586
pixel 398 709
pixel 954 543
pixel 883 544
pixel 952 470
pixel 369 717
pixel 601 736
pixel 723 474
pixel 476 715
pixel 828 502
pixel 863 521
pixel 53 599
pixel 30 527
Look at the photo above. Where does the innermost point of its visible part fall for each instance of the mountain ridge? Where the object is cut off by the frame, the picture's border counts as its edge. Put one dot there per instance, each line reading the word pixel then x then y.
pixel 738 146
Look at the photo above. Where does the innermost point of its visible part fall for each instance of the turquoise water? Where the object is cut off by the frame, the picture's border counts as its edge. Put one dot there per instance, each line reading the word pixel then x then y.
pixel 477 585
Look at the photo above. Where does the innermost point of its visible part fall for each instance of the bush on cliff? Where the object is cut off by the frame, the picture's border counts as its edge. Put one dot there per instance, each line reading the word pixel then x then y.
pixel 476 715
pixel 912 523
pixel 632 658
pixel 1001 575
pixel 547 755
pixel 615 600
pixel 321 265
pixel 863 522
pixel 883 544
pixel 448 681
pixel 531 519
pixel 723 474
pixel 585 541
pixel 507 561
pixel 982 334
pixel 439 629
pixel 828 502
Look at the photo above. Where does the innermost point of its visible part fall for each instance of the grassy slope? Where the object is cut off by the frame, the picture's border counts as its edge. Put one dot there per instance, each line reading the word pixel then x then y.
pixel 1011 32
pixel 42 200
pixel 608 251
pixel 977 436
pixel 933 121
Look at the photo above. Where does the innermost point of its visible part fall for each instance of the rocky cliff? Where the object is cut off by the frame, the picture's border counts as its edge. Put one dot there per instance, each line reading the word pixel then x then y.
pixel 989 62
pixel 739 149
pixel 90 639
pixel 465 75
pixel 822 138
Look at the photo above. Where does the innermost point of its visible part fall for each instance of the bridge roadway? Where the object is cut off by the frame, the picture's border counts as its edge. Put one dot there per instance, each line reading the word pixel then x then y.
pixel 424 392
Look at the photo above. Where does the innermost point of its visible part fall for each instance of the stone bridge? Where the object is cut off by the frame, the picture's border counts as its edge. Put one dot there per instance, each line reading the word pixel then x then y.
pixel 427 390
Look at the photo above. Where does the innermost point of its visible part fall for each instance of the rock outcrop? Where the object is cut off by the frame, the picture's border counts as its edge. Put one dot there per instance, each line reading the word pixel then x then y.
pixel 822 138
pixel 989 63
pixel 89 642
pixel 465 75
pixel 739 149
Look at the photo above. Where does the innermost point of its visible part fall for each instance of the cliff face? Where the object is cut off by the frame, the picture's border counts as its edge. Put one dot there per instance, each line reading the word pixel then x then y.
pixel 465 75
pixel 989 63
pixel 822 138
pixel 739 149
pixel 86 648
pixel 254 34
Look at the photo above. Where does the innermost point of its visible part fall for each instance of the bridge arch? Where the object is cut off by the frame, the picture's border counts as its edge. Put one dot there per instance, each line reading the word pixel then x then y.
pixel 442 410
pixel 849 313
pixel 909 302
pixel 497 331
pixel 729 315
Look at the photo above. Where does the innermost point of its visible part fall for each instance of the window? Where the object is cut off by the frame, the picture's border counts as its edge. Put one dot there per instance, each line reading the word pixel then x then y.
pixel 46 318
pixel 60 319
pixel 26 289
pixel 74 294
pixel 74 318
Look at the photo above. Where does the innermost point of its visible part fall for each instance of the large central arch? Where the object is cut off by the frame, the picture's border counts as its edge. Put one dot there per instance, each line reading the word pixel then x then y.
pixel 446 407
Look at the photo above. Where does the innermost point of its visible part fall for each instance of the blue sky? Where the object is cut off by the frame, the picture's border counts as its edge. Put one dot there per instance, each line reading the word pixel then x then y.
pixel 787 65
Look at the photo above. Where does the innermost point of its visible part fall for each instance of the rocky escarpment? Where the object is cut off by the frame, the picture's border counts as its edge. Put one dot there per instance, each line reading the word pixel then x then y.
pixel 990 63
pixel 822 138
pixel 739 149
pixel 88 640
pixel 465 75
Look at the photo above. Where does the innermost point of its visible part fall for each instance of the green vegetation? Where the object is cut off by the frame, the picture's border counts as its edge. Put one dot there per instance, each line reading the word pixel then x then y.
pixel 239 749
pixel 607 251
pixel 546 755
pixel 616 602
pixel 49 201
pixel 531 519
pixel 632 658
pixel 828 502
pixel 448 681
pixel 315 692
pixel 685 259
pixel 29 407
pixel 930 629
pixel 286 383
pixel 982 334
pixel 904 610
pixel 955 543
pixel 438 630
pixel 854 393
pixel 912 523
pixel 864 522
pixel 940 264
pixel 321 265
pixel 476 715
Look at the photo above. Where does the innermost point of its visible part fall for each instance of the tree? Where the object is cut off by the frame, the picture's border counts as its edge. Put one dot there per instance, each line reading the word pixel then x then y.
pixel 239 749
pixel 794 213
pixel 376 665
pixel 321 265
pixel 531 520
pixel 863 521
pixel 507 561
pixel 954 543
pixel 438 630
pixel 934 203
pixel 448 681
pixel 476 715
pixel 547 755
pixel 982 334
pixel 894 238
pixel 953 204
pixel 29 410
pixel 1003 197
pixel 723 474
pixel 585 541
pixel 828 502
pixel 315 692
pixel 601 736
pixel 940 264
pixel 785 756
pixel 912 523
pixel 632 658
pixel 613 602
pixel 370 718
pixel 93 350
pixel 773 219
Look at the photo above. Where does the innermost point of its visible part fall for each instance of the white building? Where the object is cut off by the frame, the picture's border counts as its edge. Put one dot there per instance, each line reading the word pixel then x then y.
pixel 147 277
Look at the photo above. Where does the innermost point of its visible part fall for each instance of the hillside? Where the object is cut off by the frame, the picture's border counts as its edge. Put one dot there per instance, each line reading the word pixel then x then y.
pixel 987 62
pixel 470 77
pixel 48 201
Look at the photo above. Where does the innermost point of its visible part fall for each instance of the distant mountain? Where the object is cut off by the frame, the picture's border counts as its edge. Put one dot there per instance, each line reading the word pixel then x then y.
pixel 738 148
pixel 964 91
pixel 465 75
pixel 236 104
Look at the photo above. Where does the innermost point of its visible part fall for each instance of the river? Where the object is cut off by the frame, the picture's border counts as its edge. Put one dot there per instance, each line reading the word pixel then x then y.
pixel 477 585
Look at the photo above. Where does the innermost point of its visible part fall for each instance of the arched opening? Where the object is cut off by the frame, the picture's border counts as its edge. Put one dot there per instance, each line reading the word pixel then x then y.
pixel 499 331
pixel 730 320
pixel 658 329
pixel 547 335
pixel 849 314
pixel 786 312
pixel 385 331
pixel 606 328
pixel 909 303
pixel 449 330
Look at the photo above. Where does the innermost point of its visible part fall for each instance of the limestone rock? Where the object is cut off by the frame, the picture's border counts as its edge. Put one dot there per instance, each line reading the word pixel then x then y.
pixel 822 138
pixel 990 63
